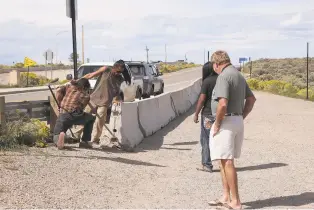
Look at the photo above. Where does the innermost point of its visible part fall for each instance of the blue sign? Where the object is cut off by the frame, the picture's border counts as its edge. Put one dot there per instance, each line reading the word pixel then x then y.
pixel 242 60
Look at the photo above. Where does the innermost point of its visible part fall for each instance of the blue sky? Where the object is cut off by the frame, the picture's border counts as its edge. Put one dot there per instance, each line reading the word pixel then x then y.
pixel 122 28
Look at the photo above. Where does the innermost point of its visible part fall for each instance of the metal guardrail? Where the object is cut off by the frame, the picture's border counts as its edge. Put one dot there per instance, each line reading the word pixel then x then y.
pixel 43 110
pixel 32 109
pixel 32 69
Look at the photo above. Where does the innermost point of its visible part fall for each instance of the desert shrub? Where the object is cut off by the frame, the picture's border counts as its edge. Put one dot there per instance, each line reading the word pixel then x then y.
pixel 253 84
pixel 63 82
pixel 29 132
pixel 274 86
pixel 259 72
pixel 266 77
pixel 290 90
pixel 33 79
pixel 302 94
pixel 167 68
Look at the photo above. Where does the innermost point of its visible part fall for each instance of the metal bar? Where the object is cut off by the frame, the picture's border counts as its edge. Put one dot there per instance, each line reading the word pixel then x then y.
pixel 73 12
pixel 307 71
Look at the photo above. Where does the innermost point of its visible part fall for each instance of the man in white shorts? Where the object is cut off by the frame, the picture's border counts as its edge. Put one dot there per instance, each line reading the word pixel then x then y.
pixel 232 101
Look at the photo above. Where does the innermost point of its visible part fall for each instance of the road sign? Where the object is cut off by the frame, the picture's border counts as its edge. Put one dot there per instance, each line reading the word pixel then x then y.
pixel 242 60
pixel 29 62
pixel 68 8
pixel 48 55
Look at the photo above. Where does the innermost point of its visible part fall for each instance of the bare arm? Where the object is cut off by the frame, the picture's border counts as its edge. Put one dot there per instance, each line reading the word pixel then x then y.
pixel 200 104
pixel 96 73
pixel 60 93
pixel 249 104
pixel 221 111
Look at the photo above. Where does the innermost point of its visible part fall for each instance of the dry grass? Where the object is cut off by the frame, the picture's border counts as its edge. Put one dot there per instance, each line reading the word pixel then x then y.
pixel 168 68
pixel 291 70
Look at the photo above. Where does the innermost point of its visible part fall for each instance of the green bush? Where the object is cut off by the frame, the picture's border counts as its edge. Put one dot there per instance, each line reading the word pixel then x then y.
pixel 253 84
pixel 29 132
pixel 280 88
pixel 302 94
pixel 274 86
pixel 33 79
pixel 290 90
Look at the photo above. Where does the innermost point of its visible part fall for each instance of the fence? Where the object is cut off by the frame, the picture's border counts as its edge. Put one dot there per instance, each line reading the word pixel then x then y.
pixel 34 109
pixel 44 110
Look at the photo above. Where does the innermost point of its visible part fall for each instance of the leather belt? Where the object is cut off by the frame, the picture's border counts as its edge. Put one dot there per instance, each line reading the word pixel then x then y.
pixel 233 114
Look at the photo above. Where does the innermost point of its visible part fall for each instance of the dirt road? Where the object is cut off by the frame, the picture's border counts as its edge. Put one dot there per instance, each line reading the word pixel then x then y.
pixel 275 170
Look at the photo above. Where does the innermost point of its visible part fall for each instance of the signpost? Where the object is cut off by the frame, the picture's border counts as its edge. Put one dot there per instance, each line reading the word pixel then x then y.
pixel 71 12
pixel 27 63
pixel 48 54
pixel 307 70
pixel 251 63
pixel 242 60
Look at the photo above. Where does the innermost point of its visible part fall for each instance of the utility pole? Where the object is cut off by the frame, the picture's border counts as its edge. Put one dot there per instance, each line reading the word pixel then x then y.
pixel 307 70
pixel 73 16
pixel 147 53
pixel 83 59
pixel 208 56
pixel 165 53
pixel 250 67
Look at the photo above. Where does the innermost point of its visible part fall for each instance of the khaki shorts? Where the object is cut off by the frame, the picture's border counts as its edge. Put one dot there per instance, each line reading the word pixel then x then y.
pixel 227 143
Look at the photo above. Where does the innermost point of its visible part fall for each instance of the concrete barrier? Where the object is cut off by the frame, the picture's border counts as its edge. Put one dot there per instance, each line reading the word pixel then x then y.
pixel 148 112
pixel 135 120
pixel 126 124
pixel 166 112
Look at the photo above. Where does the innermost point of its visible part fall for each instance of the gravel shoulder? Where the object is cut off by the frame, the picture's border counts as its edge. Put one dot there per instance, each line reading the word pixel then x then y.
pixel 275 170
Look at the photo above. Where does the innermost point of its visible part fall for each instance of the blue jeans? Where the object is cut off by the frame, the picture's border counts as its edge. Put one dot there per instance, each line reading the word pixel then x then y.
pixel 205 131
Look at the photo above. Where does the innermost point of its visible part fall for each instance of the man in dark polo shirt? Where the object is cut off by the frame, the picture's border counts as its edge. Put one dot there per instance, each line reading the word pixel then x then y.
pixel 106 89
pixel 232 101
pixel 204 104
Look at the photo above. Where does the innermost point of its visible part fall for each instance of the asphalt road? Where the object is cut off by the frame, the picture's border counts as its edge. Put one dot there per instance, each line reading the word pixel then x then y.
pixel 173 81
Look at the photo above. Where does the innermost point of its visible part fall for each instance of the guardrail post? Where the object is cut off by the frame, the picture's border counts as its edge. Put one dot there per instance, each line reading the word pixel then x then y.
pixel 2 110
pixel 29 110
pixel 53 113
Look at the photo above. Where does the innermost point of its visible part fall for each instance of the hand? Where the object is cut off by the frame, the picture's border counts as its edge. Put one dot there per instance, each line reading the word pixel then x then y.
pixel 216 129
pixel 196 118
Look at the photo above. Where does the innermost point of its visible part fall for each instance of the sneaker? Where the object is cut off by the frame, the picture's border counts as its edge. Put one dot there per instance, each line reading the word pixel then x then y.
pixel 205 168
pixel 96 141
pixel 60 142
pixel 72 140
pixel 86 145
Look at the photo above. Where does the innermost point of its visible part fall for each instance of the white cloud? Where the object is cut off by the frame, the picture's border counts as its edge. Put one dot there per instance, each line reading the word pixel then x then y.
pixel 294 20
pixel 122 28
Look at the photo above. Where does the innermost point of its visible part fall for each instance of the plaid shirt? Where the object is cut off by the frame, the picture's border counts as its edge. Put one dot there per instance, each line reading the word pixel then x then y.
pixel 73 99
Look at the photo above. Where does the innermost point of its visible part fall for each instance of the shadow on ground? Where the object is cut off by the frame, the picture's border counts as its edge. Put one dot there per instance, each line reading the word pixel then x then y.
pixel 155 142
pixel 293 200
pixel 183 143
pixel 262 167
pixel 115 159
pixel 259 167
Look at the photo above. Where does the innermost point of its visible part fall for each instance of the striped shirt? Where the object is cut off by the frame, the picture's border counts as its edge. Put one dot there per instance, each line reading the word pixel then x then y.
pixel 73 99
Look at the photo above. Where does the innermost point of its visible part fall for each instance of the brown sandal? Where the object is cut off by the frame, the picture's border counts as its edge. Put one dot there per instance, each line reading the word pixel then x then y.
pixel 216 203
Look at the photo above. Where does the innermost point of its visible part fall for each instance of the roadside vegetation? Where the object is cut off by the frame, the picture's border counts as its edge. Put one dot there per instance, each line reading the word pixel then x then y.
pixel 168 68
pixel 33 81
pixel 285 77
pixel 23 132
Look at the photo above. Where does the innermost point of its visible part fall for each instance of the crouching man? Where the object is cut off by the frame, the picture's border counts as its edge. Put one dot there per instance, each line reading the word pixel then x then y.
pixel 73 98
